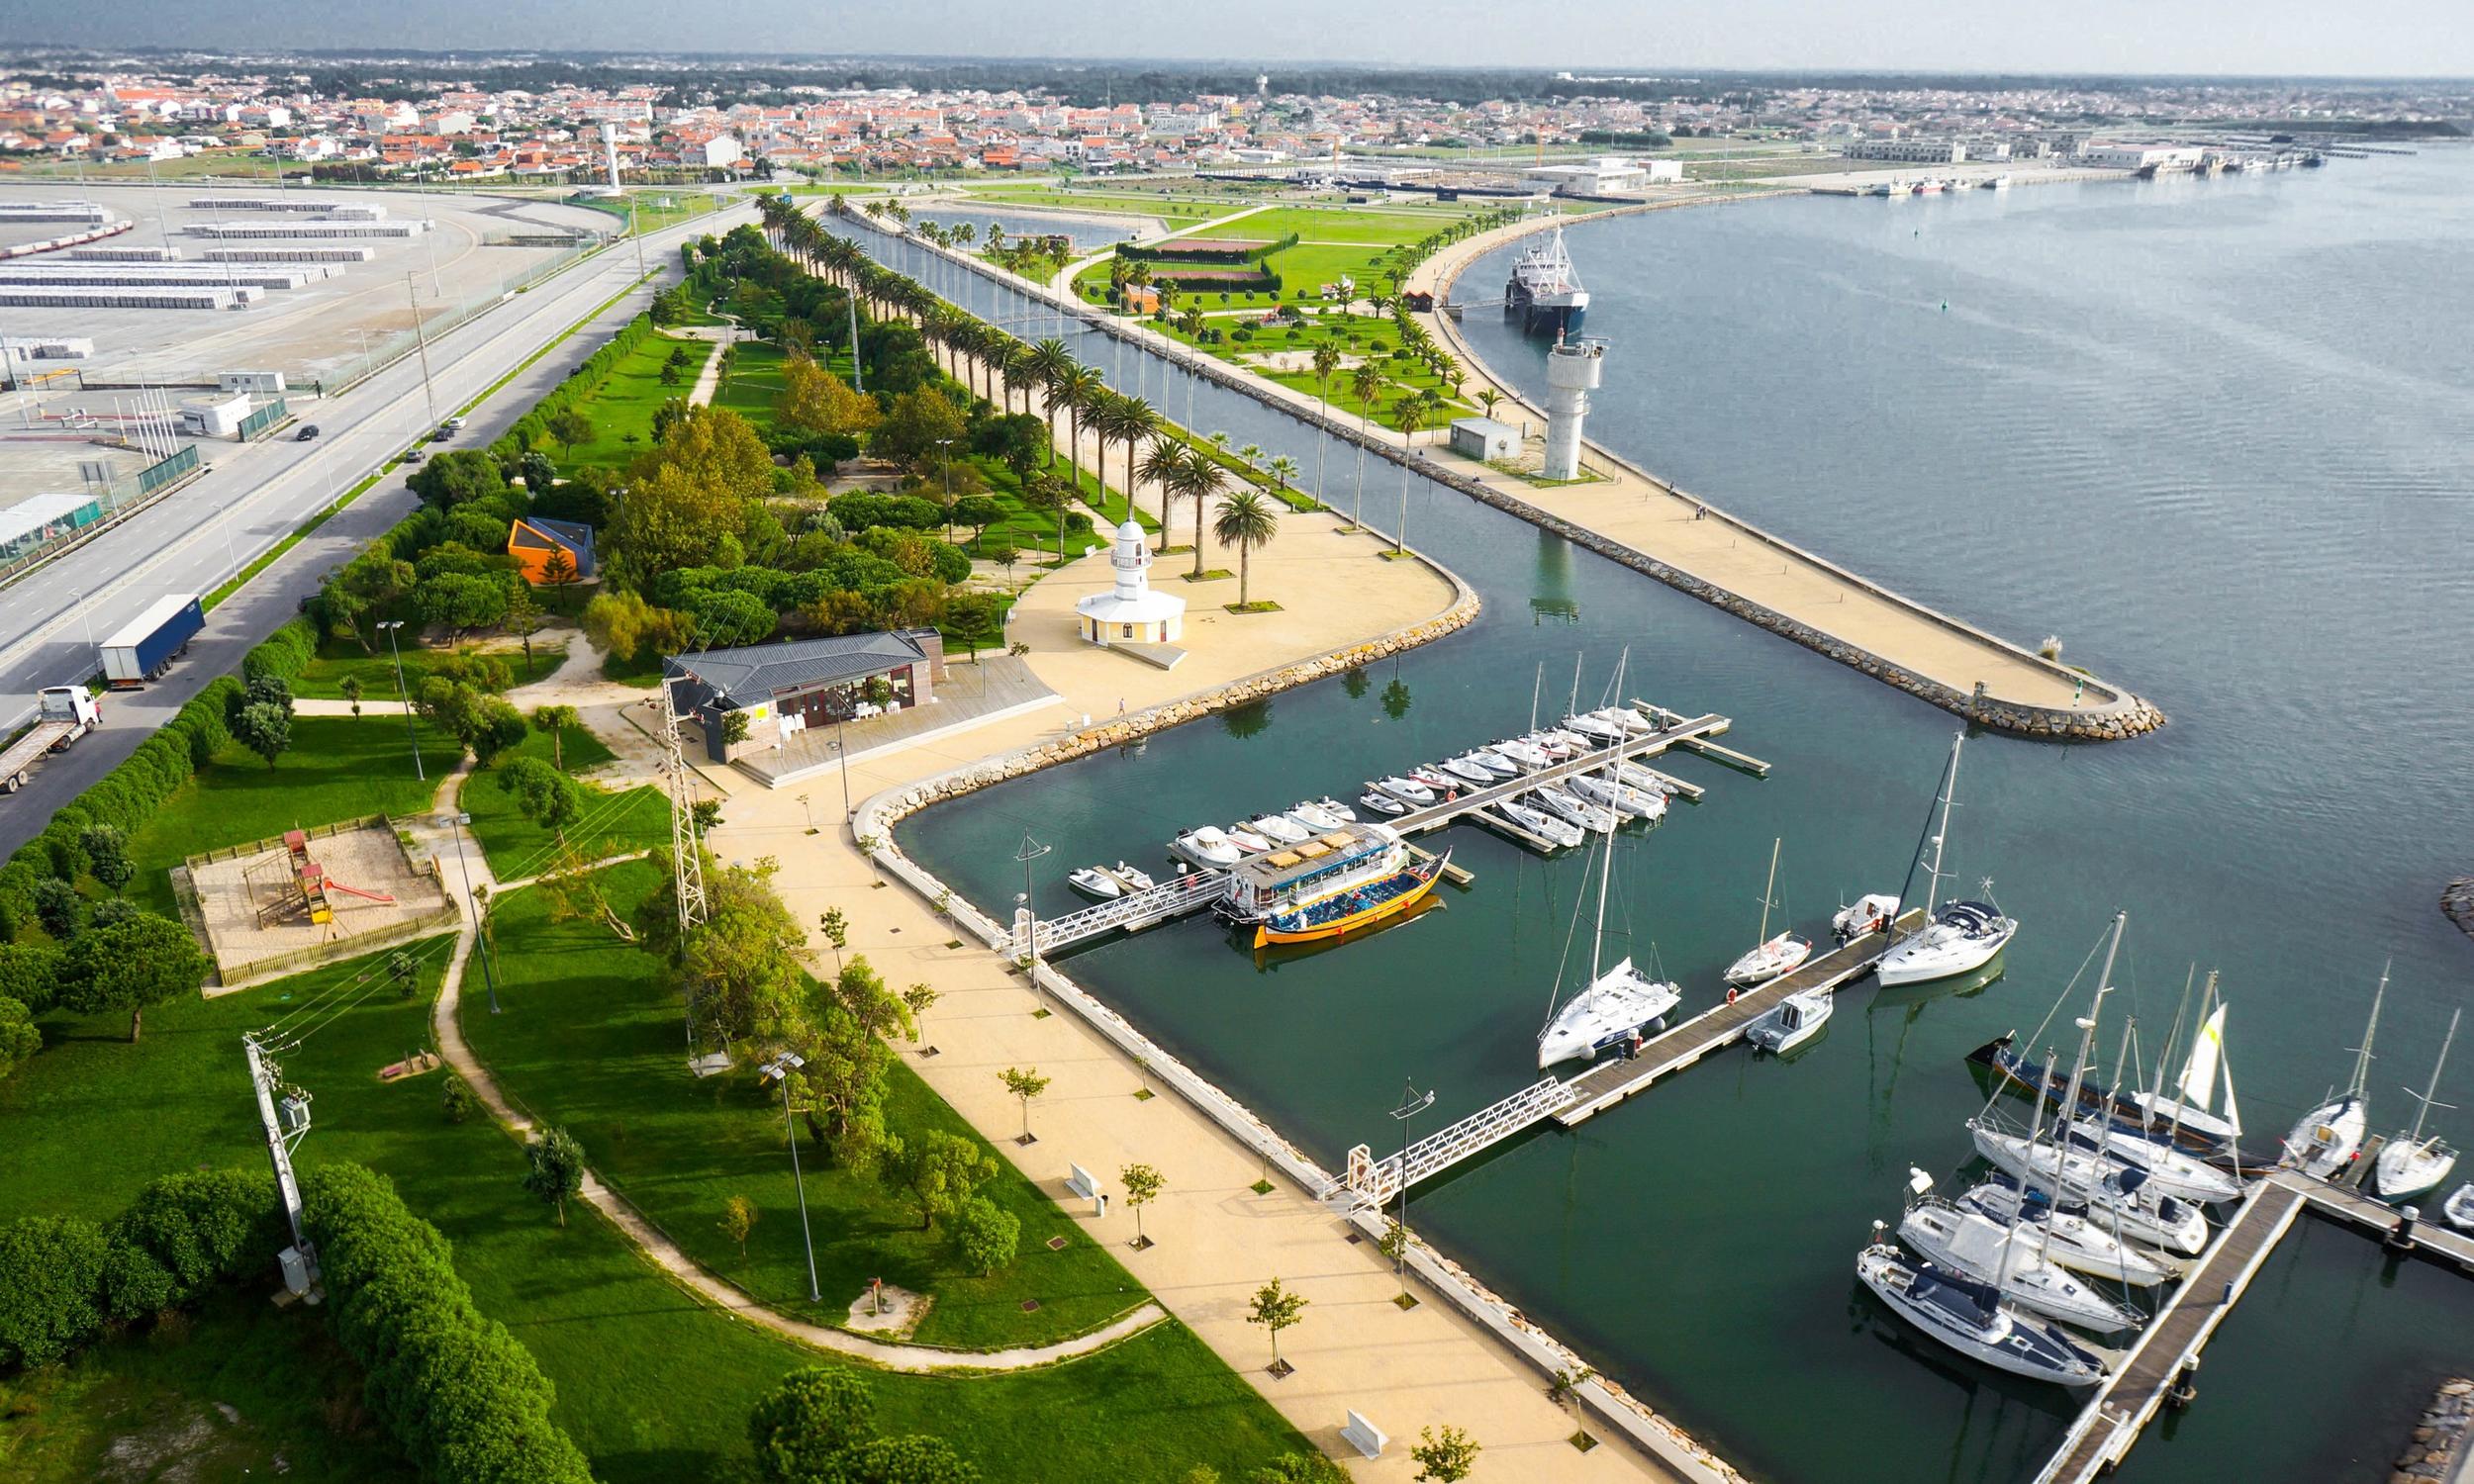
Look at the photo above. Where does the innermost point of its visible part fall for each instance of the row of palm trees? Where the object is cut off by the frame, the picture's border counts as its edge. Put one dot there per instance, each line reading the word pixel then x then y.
pixel 999 367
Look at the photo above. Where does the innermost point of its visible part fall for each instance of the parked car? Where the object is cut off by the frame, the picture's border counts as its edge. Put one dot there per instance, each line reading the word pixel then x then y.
pixel 442 435
pixel 454 425
pixel 411 455
pixel 308 431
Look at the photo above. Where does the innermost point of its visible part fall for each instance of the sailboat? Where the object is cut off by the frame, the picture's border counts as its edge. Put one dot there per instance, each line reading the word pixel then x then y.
pixel 1769 956
pixel 1975 1245
pixel 2168 1169
pixel 2329 1137
pixel 2410 1163
pixel 1972 1318
pixel 1617 1007
pixel 2191 1108
pixel 1957 936
pixel 2072 1233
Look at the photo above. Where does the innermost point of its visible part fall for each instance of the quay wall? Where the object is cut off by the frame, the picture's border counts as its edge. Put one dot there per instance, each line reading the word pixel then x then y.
pixel 2112 714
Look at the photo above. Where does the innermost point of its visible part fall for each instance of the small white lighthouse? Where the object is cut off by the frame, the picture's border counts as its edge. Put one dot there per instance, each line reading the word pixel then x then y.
pixel 1130 613
pixel 610 154
pixel 1572 375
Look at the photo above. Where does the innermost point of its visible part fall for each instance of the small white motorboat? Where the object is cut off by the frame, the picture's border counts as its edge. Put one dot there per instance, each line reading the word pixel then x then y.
pixel 1381 804
pixel 1279 829
pixel 1645 780
pixel 1623 799
pixel 1596 727
pixel 1539 823
pixel 1563 807
pixel 2073 1235
pixel 1409 789
pixel 1574 740
pixel 1436 779
pixel 1208 845
pixel 1095 882
pixel 2458 1209
pixel 1625 718
pixel 1872 914
pixel 1555 745
pixel 1790 1023
pixel 1335 808
pixel 1492 764
pixel 1467 771
pixel 1315 813
pixel 1524 754
pixel 1248 841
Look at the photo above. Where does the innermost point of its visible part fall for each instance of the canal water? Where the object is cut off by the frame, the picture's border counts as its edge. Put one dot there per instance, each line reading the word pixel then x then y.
pixel 2210 433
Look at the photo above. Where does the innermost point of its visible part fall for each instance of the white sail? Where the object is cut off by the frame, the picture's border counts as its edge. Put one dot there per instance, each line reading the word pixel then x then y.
pixel 2199 1074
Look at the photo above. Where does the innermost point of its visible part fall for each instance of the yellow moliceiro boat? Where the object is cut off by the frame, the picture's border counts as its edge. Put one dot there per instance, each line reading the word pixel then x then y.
pixel 1327 886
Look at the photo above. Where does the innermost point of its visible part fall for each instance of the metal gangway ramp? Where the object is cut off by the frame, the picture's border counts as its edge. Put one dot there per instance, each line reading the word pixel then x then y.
pixel 1174 897
pixel 1378 1180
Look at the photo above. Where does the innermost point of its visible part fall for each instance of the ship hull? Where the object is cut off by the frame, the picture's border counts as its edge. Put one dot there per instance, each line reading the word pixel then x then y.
pixel 1411 888
pixel 1542 318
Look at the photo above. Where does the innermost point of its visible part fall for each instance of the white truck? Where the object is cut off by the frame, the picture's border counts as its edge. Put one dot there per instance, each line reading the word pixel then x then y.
pixel 62 715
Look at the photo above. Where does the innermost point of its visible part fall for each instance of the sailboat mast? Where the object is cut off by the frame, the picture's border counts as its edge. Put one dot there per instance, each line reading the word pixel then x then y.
pixel 1537 688
pixel 2433 1091
pixel 1767 888
pixel 2362 1058
pixel 2207 1002
pixel 1597 930
pixel 2087 1027
pixel 1576 686
pixel 2035 1130
pixel 2174 1038
pixel 1940 837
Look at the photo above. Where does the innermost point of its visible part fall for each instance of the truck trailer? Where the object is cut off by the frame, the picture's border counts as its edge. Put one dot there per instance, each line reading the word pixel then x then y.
pixel 62 715
pixel 147 644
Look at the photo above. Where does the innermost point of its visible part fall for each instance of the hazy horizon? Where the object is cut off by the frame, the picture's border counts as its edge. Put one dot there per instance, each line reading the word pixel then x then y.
pixel 2405 40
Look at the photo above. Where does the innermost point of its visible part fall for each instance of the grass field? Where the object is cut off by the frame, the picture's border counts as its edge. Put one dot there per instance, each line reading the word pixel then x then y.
pixel 322 678
pixel 756 379
pixel 1176 211
pixel 613 823
pixel 340 768
pixel 622 407
pixel 652 1384
pixel 590 1039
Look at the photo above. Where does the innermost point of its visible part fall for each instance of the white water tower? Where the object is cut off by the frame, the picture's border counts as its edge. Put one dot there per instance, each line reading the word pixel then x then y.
pixel 1572 375
pixel 610 154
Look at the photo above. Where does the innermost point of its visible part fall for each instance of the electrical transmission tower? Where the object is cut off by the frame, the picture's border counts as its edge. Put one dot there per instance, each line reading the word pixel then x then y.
pixel 284 1110
pixel 687 858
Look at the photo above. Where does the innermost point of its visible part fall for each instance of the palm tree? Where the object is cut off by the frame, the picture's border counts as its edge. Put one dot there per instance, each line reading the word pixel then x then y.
pixel 1285 468
pixel 1047 362
pixel 1202 481
pixel 1487 399
pixel 1099 405
pixel 1072 390
pixel 1250 453
pixel 996 236
pixel 1411 414
pixel 1326 363
pixel 1246 520
pixel 1220 441
pixel 1163 467
pixel 1365 383
pixel 1132 420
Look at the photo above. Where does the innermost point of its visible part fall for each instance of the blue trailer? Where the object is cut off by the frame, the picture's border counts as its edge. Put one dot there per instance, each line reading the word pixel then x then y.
pixel 147 645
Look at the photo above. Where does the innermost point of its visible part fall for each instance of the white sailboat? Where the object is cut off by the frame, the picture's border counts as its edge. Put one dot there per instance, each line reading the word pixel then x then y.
pixel 1977 1245
pixel 2329 1136
pixel 1972 1318
pixel 1769 956
pixel 1620 796
pixel 2167 1168
pixel 2072 1233
pixel 1957 937
pixel 2410 1163
pixel 1539 823
pixel 2192 1104
pixel 1619 1003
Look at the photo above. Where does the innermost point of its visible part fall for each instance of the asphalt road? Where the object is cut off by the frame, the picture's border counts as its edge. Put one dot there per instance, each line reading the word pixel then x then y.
pixel 254 496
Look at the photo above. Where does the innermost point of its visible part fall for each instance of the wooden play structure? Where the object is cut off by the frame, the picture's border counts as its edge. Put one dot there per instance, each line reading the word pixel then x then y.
pixel 302 887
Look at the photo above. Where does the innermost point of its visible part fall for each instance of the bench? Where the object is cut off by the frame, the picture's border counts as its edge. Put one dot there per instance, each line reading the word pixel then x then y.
pixel 1364 1435
pixel 1079 1183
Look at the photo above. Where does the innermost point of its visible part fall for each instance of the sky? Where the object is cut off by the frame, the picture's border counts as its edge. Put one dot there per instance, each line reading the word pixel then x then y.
pixel 2380 38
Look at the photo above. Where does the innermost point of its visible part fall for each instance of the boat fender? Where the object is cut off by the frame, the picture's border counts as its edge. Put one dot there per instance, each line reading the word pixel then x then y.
pixel 1731 996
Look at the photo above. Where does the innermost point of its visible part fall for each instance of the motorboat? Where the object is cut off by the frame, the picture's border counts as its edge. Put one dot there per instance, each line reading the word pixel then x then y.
pixel 1321 814
pixel 1626 719
pixel 1873 912
pixel 2458 1209
pixel 1249 841
pixel 1646 780
pixel 1957 937
pixel 1596 727
pixel 2410 1163
pixel 1492 764
pixel 1208 845
pixel 1623 799
pixel 1619 1004
pixel 1769 956
pixel 1791 1022
pixel 1977 1247
pixel 1467 771
pixel 2070 1234
pixel 1108 882
pixel 1524 754
pixel 1539 823
pixel 1971 1318
pixel 2329 1136
pixel 1436 779
pixel 1407 789
pixel 2190 1107
pixel 1381 804
pixel 1557 746
pixel 1575 741
pixel 1279 829
pixel 2122 1197
pixel 1563 807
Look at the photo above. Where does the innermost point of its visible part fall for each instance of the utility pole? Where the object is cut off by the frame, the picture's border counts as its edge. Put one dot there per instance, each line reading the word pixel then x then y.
pixel 1412 1103
pixel 421 334
pixel 480 903
pixel 405 696
pixel 299 1260
pixel 780 1068
pixel 1031 850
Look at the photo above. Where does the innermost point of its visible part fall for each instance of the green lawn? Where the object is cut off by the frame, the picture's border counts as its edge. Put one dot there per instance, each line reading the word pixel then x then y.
pixel 591 1040
pixel 756 379
pixel 1384 227
pixel 613 823
pixel 323 680
pixel 622 407
pixel 652 1384
pixel 340 768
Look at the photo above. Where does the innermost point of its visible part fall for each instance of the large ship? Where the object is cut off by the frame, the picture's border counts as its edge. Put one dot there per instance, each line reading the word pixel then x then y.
pixel 1545 290
pixel 1326 886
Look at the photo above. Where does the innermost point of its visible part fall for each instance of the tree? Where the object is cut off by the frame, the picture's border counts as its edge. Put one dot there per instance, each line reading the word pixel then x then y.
pixel 916 1000
pixel 554 722
pixel 738 1218
pixel 1245 521
pixel 670 374
pixel 543 795
pixel 1395 1245
pixel 1025 1083
pixel 130 964
pixel 815 402
pixel 1275 1308
pixel 914 425
pixel 1142 1186
pixel 107 856
pixel 1005 554
pixel 835 926
pixel 555 1170
pixel 18 1039
pixel 1565 1388
pixel 802 1426
pixel 1445 1456
pixel 985 1236
pixel 845 1042
pixel 939 1172
pixel 740 969
pixel 567 427
pixel 538 471
pixel 978 511
pixel 351 689
pixel 524 618
pixel 406 971
pixel 458 479
pixel 1284 469
pixel 670 517
pixel 264 729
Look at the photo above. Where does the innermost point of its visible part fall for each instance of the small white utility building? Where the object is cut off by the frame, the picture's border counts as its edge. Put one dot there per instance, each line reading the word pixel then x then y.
pixel 1130 613
pixel 1485 439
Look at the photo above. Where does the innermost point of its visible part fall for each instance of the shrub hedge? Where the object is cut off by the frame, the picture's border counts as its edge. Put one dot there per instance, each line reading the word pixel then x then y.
pixel 461 1395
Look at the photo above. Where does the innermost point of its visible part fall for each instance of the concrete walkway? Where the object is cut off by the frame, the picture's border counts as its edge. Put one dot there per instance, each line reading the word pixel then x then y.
pixel 666 1255
pixel 708 380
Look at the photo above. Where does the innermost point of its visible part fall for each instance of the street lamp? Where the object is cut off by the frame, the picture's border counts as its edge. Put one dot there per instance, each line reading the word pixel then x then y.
pixel 229 549
pixel 780 1070
pixel 1412 1103
pixel 845 754
pixel 463 863
pixel 1031 850
pixel 86 620
pixel 404 696
pixel 945 468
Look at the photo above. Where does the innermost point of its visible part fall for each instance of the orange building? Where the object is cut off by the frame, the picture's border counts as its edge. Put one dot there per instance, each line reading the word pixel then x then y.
pixel 551 551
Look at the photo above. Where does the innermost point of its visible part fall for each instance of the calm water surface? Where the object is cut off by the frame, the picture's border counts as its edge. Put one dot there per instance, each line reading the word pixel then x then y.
pixel 2212 435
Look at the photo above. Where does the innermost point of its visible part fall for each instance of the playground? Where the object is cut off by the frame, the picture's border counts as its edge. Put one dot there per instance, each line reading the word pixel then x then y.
pixel 310 895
